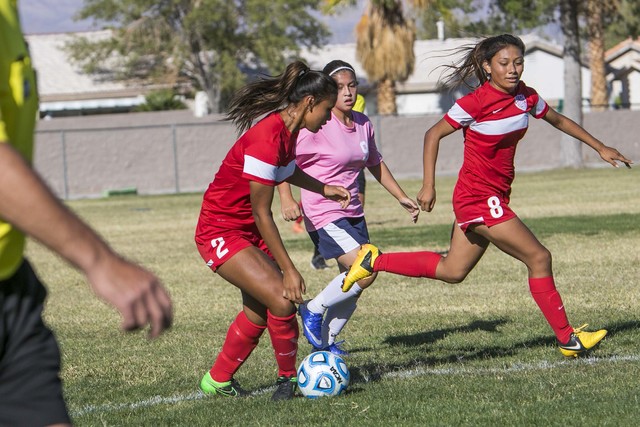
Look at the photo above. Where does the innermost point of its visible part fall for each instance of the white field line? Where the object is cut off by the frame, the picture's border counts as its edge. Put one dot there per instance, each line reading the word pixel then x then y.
pixel 407 373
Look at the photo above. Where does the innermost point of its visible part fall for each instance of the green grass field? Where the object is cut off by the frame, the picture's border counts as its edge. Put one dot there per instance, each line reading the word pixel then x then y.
pixel 422 352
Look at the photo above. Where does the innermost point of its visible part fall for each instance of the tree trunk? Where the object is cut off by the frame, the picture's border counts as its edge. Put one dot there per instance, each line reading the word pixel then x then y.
pixel 387 97
pixel 596 55
pixel 571 148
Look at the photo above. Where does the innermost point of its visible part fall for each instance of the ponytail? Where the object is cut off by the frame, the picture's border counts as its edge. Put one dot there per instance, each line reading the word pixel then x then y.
pixel 271 93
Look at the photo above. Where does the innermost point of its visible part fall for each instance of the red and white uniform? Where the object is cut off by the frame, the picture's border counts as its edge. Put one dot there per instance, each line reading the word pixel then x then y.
pixel 266 153
pixel 493 122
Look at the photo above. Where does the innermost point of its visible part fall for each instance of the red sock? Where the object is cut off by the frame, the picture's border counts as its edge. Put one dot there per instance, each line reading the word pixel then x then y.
pixel 284 339
pixel 412 264
pixel 242 337
pixel 544 293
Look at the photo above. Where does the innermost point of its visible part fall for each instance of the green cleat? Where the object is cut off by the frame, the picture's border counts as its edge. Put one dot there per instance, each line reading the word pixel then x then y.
pixel 362 267
pixel 581 341
pixel 227 389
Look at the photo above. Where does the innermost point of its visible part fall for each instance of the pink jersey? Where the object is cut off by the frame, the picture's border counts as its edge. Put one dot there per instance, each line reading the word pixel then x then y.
pixel 335 155
pixel 493 122
pixel 265 154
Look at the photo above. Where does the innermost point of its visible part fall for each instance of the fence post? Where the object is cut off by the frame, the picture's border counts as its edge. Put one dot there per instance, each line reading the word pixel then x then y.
pixel 65 173
pixel 174 143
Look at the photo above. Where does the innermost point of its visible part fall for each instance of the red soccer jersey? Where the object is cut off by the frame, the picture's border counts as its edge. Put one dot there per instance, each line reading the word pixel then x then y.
pixel 493 122
pixel 266 153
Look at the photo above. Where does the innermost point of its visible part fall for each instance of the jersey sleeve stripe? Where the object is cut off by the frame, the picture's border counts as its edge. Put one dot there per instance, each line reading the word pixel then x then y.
pixel 266 172
pixel 541 108
pixel 459 116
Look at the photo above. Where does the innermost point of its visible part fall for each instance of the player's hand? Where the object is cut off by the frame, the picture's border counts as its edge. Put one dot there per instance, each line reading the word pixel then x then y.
pixel 135 292
pixel 612 156
pixel 427 198
pixel 290 210
pixel 338 194
pixel 294 286
pixel 411 206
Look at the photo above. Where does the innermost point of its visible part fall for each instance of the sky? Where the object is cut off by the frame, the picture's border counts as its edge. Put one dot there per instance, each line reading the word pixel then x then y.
pixel 56 16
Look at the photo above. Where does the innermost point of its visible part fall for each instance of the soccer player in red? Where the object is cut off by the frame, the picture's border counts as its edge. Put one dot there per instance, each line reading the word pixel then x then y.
pixel 494 117
pixel 236 234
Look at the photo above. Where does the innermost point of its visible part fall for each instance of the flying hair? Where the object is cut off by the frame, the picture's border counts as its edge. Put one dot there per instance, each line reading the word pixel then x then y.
pixel 271 93
pixel 468 70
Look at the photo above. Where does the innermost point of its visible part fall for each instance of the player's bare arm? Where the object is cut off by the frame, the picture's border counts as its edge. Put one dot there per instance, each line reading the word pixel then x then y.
pixel 571 128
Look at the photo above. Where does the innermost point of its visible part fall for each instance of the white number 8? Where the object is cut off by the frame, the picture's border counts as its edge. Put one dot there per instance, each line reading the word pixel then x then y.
pixel 494 207
pixel 217 244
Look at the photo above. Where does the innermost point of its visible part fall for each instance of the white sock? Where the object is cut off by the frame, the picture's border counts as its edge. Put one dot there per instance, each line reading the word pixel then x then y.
pixel 332 294
pixel 337 317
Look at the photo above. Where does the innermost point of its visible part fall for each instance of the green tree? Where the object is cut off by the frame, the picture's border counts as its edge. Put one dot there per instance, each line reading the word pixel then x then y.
pixel 454 15
pixel 622 21
pixel 212 44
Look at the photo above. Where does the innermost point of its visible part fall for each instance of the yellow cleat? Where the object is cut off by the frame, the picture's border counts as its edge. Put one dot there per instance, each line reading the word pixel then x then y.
pixel 581 341
pixel 362 267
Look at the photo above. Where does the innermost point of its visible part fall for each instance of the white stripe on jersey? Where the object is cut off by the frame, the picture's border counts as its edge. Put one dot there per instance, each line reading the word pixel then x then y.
pixel 540 105
pixel 341 237
pixel 269 172
pixel 460 116
pixel 501 126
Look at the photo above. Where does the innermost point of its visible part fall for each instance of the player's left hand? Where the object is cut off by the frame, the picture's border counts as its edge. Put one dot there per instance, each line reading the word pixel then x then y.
pixel 411 206
pixel 612 156
pixel 338 194
pixel 294 286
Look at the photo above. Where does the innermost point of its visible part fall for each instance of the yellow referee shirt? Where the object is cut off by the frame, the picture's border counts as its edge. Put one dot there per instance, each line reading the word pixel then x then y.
pixel 18 109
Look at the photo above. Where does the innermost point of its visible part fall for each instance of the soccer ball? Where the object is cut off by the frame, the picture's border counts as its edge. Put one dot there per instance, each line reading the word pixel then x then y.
pixel 322 374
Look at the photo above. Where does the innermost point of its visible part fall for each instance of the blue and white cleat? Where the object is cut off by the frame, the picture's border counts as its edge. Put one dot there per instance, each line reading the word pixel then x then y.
pixel 311 325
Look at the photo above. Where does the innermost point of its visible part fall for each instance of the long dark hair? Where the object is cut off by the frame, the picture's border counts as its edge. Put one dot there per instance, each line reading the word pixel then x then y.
pixel 271 93
pixel 473 56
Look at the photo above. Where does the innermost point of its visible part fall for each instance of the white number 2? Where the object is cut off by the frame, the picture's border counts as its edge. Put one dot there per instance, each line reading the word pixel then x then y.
pixel 494 207
pixel 217 244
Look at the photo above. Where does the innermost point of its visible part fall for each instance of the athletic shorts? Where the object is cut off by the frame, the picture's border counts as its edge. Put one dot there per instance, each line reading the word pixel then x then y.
pixel 362 182
pixel 224 243
pixel 30 385
pixel 340 237
pixel 487 210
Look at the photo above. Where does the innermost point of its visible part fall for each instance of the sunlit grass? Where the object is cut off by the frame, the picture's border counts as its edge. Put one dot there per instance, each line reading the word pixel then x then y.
pixel 423 352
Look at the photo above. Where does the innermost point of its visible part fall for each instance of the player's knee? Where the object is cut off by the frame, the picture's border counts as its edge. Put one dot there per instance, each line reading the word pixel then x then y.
pixel 282 307
pixel 540 260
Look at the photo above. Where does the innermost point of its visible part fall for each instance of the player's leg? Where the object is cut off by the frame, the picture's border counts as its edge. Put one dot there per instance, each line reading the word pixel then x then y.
pixel 341 240
pixel 514 238
pixel 257 275
pixel 465 251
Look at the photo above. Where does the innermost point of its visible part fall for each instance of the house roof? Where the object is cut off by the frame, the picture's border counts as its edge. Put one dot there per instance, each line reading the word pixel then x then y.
pixel 60 79
pixel 622 48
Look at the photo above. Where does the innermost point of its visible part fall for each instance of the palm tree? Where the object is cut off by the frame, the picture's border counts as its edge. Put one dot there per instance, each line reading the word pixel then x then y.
pixel 384 46
pixel 595 30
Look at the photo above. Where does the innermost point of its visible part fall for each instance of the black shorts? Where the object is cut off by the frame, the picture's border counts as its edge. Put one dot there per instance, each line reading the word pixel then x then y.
pixel 30 386
pixel 362 182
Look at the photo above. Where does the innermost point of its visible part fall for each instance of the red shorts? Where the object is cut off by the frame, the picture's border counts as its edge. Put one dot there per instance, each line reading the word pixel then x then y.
pixel 222 244
pixel 488 210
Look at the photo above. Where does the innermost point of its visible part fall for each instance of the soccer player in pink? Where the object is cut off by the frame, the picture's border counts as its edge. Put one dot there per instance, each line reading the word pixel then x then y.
pixel 494 118
pixel 337 154
pixel 236 234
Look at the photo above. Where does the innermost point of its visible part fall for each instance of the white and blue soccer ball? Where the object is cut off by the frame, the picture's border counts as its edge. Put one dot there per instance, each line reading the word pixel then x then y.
pixel 323 374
